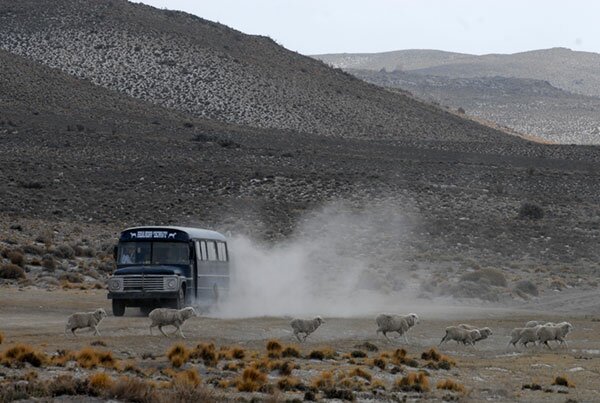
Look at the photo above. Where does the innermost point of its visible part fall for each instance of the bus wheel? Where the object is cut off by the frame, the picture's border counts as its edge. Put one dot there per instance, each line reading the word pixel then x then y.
pixel 181 299
pixel 118 307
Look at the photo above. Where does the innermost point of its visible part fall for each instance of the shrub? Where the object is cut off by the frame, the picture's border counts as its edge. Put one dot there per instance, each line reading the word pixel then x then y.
pixel 324 381
pixel 449 384
pixel 379 363
pixel 87 358
pixel 563 381
pixel 274 349
pixel 531 211
pixel 188 378
pixel 341 394
pixel 527 287
pixel 178 355
pixel 11 272
pixel 284 367
pixel 290 351
pixel 400 357
pixel 287 383
pixel 71 277
pixel 238 353
pixel 324 353
pixel 461 111
pixel 16 258
pixel 100 381
pixel 232 366
pixel 358 354
pixel 431 354
pixel 24 353
pixel 492 276
pixel 133 390
pixel 367 346
pixel 64 252
pixel 251 380
pixel 205 352
pixel 361 373
pixel 98 343
pixel 67 385
pixel 48 262
pixel 413 382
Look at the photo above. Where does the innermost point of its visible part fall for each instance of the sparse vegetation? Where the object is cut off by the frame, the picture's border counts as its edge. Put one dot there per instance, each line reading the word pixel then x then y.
pixel 274 349
pixel 206 352
pixel 11 271
pixel 291 352
pixel 449 384
pixel 322 354
pixel 251 380
pixel 562 380
pixel 531 211
pixel 413 382
pixel 178 354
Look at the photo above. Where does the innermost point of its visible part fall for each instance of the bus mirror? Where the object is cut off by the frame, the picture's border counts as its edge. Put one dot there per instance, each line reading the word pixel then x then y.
pixel 115 252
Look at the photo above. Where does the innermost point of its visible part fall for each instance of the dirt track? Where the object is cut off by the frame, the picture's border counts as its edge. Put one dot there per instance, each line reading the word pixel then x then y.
pixel 490 371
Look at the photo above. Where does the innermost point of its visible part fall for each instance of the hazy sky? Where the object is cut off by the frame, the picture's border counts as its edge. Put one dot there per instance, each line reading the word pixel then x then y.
pixel 469 26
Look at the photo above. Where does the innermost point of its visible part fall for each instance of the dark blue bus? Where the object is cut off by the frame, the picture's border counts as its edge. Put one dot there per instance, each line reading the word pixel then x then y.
pixel 168 267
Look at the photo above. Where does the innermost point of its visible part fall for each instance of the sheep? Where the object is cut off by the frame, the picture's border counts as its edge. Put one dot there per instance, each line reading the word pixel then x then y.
pixel 81 320
pixel 515 335
pixel 306 326
pixel 557 332
pixel 534 323
pixel 396 323
pixel 528 335
pixel 460 335
pixel 166 316
pixel 484 332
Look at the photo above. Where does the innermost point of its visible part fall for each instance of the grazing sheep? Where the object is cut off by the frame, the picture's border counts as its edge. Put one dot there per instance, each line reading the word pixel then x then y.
pixel 306 326
pixel 515 335
pixel 396 323
pixel 557 332
pixel 484 332
pixel 81 320
pixel 174 317
pixel 460 335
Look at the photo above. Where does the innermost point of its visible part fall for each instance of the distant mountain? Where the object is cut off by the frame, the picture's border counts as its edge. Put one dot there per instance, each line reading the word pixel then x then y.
pixel 183 62
pixel 525 105
pixel 574 71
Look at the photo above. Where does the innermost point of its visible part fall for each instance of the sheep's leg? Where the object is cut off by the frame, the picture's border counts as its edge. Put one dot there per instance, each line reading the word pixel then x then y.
pixel 162 331
pixel 386 336
pixel 73 331
pixel 405 338
pixel 66 328
pixel 444 339
pixel 151 326
pixel 547 345
pixel 180 332
pixel 305 336
pixel 96 332
pixel 297 334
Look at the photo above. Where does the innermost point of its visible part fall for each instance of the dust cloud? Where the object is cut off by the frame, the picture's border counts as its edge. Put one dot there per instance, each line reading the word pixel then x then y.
pixel 342 261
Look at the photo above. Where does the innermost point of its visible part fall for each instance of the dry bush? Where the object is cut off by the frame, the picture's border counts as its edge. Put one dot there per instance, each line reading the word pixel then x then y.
pixel 23 353
pixel 33 249
pixel 238 353
pixel 222 384
pixel 379 363
pixel 133 390
pixel 62 358
pixel 413 382
pixel 206 352
pixel 340 394
pixel 367 346
pixel 400 356
pixel 284 367
pixel 48 262
pixel 71 277
pixel 16 257
pixel 562 380
pixel 288 383
pixel 68 385
pixel 64 252
pixel 361 373
pixel 100 381
pixel 377 384
pixel 274 345
pixel 358 354
pixel 87 358
pixel 98 343
pixel 186 393
pixel 186 379
pixel 290 351
pixel 490 276
pixel 431 354
pixel 263 365
pixel 1 337
pixel 324 381
pixel 233 366
pixel 11 271
pixel 437 360
pixel 449 384
pixel 251 380
pixel 321 354
pixel 178 355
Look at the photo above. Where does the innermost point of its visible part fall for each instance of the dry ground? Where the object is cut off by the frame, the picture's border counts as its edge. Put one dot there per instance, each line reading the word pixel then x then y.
pixel 491 371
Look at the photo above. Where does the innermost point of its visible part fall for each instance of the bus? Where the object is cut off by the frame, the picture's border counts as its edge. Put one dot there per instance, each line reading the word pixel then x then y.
pixel 174 267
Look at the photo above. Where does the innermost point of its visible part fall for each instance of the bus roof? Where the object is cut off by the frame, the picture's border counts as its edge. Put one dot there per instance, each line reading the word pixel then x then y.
pixel 193 233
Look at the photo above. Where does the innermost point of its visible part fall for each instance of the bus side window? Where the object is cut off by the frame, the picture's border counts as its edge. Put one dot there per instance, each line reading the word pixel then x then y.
pixel 198 252
pixel 212 250
pixel 204 250
pixel 222 252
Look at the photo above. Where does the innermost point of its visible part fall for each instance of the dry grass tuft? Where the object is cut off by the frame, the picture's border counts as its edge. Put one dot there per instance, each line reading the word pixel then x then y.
pixel 23 353
pixel 379 363
pixel 207 352
pixel 413 382
pixel 400 356
pixel 377 384
pixel 251 380
pixel 290 351
pixel 284 367
pixel 437 360
pixel 11 271
pixel 449 384
pixel 274 348
pixel 562 380
pixel 100 343
pixel 321 354
pixel 232 366
pixel 62 358
pixel 431 354
pixel 288 383
pixel 324 381
pixel 100 381
pixel 186 379
pixel 133 390
pixel 178 354
pixel 238 353
pixel 361 373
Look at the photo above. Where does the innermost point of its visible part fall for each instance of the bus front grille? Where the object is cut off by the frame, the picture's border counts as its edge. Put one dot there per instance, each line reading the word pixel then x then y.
pixel 145 283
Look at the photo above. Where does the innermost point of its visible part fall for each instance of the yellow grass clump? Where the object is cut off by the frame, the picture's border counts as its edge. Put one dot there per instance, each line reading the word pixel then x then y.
pixel 100 381
pixel 400 356
pixel 321 354
pixel 290 351
pixel 251 380
pixel 206 352
pixel 288 383
pixel 449 384
pixel 413 382
pixel 562 380
pixel 178 354
pixel 187 379
pixel 379 363
pixel 133 389
pixel 361 373
pixel 324 380
pixel 23 353
pixel 284 367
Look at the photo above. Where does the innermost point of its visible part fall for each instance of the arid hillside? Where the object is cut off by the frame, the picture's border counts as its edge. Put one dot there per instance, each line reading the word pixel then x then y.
pixel 183 62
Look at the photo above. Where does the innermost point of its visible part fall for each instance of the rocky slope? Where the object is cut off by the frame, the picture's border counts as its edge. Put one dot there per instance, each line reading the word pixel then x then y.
pixel 182 62
pixel 524 105
pixel 572 71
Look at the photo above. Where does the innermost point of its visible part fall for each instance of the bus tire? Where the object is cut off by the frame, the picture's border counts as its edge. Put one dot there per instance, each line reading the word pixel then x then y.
pixel 180 302
pixel 118 307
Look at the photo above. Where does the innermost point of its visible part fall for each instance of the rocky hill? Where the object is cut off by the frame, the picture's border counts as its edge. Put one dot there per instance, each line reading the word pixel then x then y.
pixel 572 71
pixel 524 105
pixel 182 62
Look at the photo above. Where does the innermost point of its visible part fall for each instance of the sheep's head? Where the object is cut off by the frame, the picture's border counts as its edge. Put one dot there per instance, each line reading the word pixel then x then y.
pixel 100 313
pixel 319 320
pixel 486 331
pixel 188 312
pixel 413 319
pixel 567 326
pixel 475 334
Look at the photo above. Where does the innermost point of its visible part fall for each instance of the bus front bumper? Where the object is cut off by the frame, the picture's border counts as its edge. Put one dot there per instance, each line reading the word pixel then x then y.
pixel 143 295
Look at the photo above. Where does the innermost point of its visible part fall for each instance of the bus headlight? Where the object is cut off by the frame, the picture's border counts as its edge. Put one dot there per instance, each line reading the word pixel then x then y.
pixel 171 283
pixel 115 284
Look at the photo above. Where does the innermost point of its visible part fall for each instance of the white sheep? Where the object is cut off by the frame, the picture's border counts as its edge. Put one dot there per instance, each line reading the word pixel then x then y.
pixel 557 332
pixel 170 317
pixel 400 324
pixel 515 335
pixel 460 335
pixel 529 335
pixel 484 332
pixel 306 326
pixel 81 320
pixel 534 323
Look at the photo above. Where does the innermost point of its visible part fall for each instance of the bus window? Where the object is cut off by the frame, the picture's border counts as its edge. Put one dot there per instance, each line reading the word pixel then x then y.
pixel 222 251
pixel 204 250
pixel 170 253
pixel 212 250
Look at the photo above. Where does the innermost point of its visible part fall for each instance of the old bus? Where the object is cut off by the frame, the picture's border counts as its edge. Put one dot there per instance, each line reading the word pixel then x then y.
pixel 168 267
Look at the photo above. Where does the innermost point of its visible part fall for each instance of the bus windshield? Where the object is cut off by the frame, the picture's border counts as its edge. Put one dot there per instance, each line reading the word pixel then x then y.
pixel 153 253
